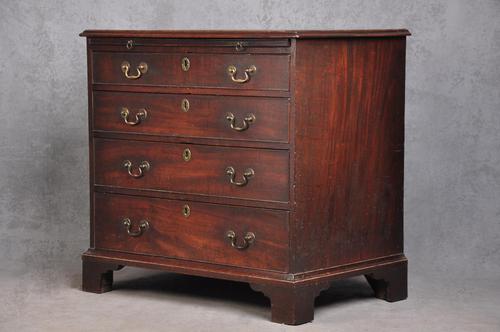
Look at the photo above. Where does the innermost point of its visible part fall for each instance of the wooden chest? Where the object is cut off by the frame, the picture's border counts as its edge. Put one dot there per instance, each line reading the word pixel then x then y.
pixel 268 157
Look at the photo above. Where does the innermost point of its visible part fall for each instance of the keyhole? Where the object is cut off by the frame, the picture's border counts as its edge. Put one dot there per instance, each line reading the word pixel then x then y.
pixel 185 105
pixel 186 155
pixel 185 64
pixel 186 210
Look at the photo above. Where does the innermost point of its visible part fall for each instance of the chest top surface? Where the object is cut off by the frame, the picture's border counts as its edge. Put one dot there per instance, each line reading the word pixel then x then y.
pixel 246 33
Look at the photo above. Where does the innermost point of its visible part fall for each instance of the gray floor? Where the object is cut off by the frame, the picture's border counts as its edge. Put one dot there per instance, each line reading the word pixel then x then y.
pixel 50 300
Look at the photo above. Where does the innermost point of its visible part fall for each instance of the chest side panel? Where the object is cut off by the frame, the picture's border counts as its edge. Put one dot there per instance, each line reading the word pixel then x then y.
pixel 349 137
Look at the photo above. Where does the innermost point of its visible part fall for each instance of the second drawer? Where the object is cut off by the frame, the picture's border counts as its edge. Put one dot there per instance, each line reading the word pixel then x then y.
pixel 257 174
pixel 241 118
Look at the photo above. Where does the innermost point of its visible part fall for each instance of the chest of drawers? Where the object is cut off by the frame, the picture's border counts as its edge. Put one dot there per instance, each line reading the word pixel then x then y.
pixel 268 157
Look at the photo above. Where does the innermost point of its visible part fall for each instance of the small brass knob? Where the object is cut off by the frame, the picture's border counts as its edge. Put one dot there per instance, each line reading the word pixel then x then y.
pixel 240 46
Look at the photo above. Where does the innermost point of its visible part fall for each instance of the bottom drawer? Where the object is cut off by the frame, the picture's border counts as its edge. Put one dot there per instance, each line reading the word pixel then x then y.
pixel 192 230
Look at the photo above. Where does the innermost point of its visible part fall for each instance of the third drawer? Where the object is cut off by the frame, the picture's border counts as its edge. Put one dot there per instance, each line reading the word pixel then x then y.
pixel 257 174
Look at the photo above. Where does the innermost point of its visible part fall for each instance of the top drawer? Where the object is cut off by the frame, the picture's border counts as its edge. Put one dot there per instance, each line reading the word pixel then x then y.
pixel 235 71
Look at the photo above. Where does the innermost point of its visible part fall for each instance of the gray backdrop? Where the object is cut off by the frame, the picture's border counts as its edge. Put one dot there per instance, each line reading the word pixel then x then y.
pixel 452 183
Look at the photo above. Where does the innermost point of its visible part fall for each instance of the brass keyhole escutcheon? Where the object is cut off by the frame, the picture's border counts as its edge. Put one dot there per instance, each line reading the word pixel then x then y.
pixel 130 44
pixel 186 155
pixel 186 210
pixel 185 64
pixel 185 105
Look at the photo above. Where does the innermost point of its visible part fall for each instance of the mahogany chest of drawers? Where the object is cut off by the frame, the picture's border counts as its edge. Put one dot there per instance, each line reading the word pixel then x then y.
pixel 268 157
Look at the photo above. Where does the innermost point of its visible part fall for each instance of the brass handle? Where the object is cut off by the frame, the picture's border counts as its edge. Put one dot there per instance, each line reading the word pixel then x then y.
pixel 248 239
pixel 142 68
pixel 143 226
pixel 143 166
pixel 246 175
pixel 142 114
pixel 231 70
pixel 250 118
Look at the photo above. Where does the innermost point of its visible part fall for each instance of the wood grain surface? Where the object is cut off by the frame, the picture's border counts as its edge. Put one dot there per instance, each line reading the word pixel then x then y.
pixel 201 236
pixel 205 173
pixel 205 118
pixel 206 70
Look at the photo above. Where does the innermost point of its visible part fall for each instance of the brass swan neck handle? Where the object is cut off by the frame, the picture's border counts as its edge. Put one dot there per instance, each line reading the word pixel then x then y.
pixel 232 71
pixel 249 172
pixel 142 227
pixel 142 68
pixel 143 167
pixel 248 239
pixel 249 119
pixel 141 115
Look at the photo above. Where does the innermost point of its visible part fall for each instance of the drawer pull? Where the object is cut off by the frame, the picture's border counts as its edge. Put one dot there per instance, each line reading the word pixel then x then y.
pixel 246 175
pixel 247 240
pixel 142 114
pixel 142 68
pixel 143 226
pixel 250 118
pixel 143 166
pixel 240 46
pixel 231 70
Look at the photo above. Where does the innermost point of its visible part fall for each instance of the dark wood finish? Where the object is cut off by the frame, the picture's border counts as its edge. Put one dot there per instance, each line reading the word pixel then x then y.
pixel 193 197
pixel 252 276
pixel 292 305
pixel 245 34
pixel 206 70
pixel 97 277
pixel 191 140
pixel 204 174
pixel 348 151
pixel 200 45
pixel 205 118
pixel 390 284
pixel 190 90
pixel 326 201
pixel 234 45
pixel 201 236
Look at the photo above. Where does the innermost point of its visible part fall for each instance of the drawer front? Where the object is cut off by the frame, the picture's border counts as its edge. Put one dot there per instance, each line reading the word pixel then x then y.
pixel 192 230
pixel 258 174
pixel 241 118
pixel 199 70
